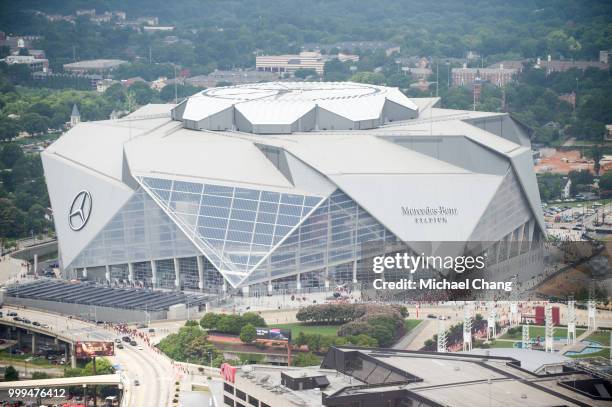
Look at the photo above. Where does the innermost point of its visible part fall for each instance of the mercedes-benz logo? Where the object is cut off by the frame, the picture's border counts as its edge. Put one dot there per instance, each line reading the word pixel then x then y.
pixel 80 211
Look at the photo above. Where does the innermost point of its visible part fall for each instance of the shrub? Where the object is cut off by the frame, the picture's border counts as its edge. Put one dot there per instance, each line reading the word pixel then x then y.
pixel 248 333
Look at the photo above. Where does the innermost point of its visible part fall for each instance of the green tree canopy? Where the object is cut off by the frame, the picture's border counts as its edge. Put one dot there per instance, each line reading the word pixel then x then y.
pixel 248 333
pixel 11 374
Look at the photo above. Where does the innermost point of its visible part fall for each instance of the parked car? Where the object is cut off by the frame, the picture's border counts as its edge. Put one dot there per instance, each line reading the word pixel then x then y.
pixel 119 346
pixel 133 343
pixel 126 339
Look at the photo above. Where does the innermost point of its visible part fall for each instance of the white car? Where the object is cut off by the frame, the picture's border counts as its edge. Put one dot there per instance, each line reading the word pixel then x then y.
pixel 140 347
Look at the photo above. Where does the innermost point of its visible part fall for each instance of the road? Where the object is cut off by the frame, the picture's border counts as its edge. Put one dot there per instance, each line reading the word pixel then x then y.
pixel 154 371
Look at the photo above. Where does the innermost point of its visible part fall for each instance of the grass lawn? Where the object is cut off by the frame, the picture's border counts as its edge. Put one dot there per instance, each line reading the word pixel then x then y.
pixel 496 344
pixel 603 353
pixel 308 329
pixel 36 361
pixel 535 331
pixel 410 324
pixel 603 337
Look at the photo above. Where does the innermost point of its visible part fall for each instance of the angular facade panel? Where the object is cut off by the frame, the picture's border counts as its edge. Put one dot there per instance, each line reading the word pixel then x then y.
pixel 337 232
pixel 234 227
pixel 140 231
pixel 507 209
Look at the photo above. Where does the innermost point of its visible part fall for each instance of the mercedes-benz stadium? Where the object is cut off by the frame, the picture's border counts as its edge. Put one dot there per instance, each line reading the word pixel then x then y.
pixel 286 185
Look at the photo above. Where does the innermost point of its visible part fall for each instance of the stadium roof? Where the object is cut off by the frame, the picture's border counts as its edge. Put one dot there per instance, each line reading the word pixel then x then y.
pixel 284 107
pixel 95 64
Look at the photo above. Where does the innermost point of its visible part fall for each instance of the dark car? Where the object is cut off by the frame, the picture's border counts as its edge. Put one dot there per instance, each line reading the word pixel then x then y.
pixel 18 319
pixel 12 314
pixel 126 339
pixel 119 346
pixel 133 343
pixel 36 323
pixel 26 321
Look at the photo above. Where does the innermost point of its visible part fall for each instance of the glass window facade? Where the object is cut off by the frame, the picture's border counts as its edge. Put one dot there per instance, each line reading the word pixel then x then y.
pixel 143 274
pixel 119 273
pixel 338 232
pixel 140 231
pixel 188 273
pixel 235 227
pixel 165 273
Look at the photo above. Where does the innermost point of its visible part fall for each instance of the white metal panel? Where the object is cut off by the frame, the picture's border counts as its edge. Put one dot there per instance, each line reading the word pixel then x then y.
pixel 65 180
pixel 196 154
pixel 362 154
pixel 383 196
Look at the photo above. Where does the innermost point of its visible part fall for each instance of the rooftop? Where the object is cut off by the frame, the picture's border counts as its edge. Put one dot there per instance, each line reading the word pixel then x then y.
pixel 286 107
pixel 362 375
pixel 95 64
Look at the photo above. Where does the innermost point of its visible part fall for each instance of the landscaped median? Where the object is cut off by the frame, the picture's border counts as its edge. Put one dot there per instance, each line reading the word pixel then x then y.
pixel 320 327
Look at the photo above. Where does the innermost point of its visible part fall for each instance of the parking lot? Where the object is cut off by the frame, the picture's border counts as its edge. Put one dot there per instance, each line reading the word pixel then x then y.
pixel 571 220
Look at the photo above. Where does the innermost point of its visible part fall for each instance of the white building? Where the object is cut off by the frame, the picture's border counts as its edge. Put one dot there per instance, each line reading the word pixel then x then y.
pixel 290 63
pixel 287 185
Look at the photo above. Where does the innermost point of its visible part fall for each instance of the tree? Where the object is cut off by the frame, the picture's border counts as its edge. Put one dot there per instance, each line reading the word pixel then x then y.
pixel 34 123
pixel 11 374
pixel 103 366
pixel 230 324
pixel 605 184
pixel 248 333
pixel 10 154
pixel 143 94
pixel 210 320
pixel 580 178
pixel 304 73
pixel 167 94
pixel 374 78
pixel 302 359
pixel 596 153
pixel 253 319
pixel 9 129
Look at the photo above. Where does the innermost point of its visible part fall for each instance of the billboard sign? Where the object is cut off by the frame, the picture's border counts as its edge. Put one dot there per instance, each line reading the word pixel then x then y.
pixel 274 334
pixel 94 348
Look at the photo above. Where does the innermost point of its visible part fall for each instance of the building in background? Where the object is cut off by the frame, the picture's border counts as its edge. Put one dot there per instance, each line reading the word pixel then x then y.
pixel 33 63
pixel 550 65
pixel 93 66
pixel 290 63
pixel 233 77
pixel 75 116
pixel 466 77
pixel 353 47
pixel 288 186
